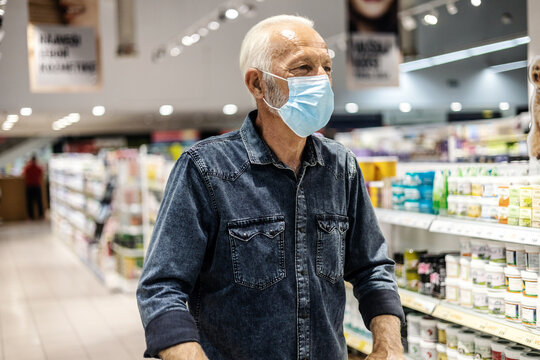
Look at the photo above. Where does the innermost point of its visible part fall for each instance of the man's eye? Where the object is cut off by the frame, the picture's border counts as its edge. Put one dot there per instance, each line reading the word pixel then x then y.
pixel 327 69
pixel 304 67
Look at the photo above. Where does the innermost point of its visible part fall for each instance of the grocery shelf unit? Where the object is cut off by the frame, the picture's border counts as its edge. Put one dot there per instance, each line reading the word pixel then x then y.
pixel 428 226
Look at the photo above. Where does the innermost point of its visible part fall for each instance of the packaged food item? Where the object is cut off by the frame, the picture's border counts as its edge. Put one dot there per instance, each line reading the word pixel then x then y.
pixel 441 331
pixel 451 354
pixel 490 209
pixel 513 198
pixel 452 266
pixel 466 342
pixel 512 306
pixel 496 304
pixel 465 247
pixel 465 294
pixel 504 195
pixel 479 250
pixel 515 255
pixel 496 252
pixel 411 258
pixel 502 215
pixel 531 355
pixel 428 350
pixel 482 346
pixel 438 278
pixel 480 298
pixel 452 336
pixel 495 278
pixel 530 283
pixel 535 214
pixel 525 197
pixel 414 346
pixel 413 324
pixel 441 352
pixel 428 329
pixel 477 186
pixel 452 290
pixel 462 206
pixel 452 205
pixel 514 283
pixel 535 224
pixel 528 311
pixel 478 272
pixel 525 217
pixel 498 347
pixel 532 258
pixel 465 268
pixel 490 187
pixel 474 207
pixel 399 270
pixel 464 186
pixel 514 352
pixel 452 185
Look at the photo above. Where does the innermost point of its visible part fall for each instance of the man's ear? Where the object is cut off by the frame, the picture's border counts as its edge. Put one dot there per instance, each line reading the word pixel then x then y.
pixel 253 81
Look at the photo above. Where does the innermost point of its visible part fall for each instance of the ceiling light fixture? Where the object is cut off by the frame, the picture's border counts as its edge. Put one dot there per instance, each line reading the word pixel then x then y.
pixel 405 107
pixel 166 110
pixel 74 117
pixel 462 54
pixel 230 109
pixel 175 51
pixel 456 106
pixel 243 9
pixel 331 53
pixel 187 41
pixel 408 22
pixel 98 110
pixel 195 38
pixel 503 106
pixel 508 66
pixel 476 2
pixel 26 111
pixel 431 18
pixel 451 8
pixel 231 14
pixel 351 108
pixel 203 31
pixel 213 25
pixel 12 118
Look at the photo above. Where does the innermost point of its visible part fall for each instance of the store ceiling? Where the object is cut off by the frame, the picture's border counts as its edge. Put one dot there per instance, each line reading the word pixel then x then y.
pixel 205 77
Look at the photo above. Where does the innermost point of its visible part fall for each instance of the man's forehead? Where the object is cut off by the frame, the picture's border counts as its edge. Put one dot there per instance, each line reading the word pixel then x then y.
pixel 288 40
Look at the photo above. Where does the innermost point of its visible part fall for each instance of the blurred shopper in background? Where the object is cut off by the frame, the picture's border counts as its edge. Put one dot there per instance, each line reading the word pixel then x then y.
pixel 33 176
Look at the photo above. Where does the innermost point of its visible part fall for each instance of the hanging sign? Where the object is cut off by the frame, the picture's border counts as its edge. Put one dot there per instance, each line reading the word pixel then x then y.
pixel 63 47
pixel 373 53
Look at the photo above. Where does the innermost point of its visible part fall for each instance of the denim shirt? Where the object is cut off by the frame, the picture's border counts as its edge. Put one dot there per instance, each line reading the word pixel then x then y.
pixel 261 254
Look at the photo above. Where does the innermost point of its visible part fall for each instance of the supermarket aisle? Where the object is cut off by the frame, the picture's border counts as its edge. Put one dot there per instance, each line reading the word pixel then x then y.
pixel 52 307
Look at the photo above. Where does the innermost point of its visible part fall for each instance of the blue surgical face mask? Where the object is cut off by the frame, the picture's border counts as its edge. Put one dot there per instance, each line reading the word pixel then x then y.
pixel 310 104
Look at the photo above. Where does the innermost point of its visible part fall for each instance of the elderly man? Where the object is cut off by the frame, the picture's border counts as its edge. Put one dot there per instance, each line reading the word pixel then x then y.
pixel 260 227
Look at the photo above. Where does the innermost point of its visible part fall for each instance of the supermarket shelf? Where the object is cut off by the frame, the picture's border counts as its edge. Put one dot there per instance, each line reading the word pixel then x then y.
pixel 156 186
pixel 127 252
pixel 358 341
pixel 484 230
pixel 470 318
pixel 404 218
pixel 461 227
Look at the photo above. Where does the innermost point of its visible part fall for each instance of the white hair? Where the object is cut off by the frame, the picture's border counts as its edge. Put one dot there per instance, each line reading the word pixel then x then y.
pixel 255 50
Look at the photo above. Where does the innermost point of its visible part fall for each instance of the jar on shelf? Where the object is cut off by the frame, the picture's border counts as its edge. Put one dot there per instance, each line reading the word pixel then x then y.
pixel 442 326
pixel 441 352
pixel 478 272
pixel 515 255
pixel 514 352
pixel 528 311
pixel 514 283
pixel 466 342
pixel 465 247
pixel 482 346
pixel 530 283
pixel 452 290
pixel 452 336
pixel 428 329
pixel 413 346
pixel 490 209
pixel 480 298
pixel 465 294
pixel 512 306
pixel 532 258
pixel 428 350
pixel 497 252
pixel 478 249
pixel 452 265
pixel 495 278
pixel 451 354
pixel 496 302
pixel 465 268
pixel 498 347
pixel 531 355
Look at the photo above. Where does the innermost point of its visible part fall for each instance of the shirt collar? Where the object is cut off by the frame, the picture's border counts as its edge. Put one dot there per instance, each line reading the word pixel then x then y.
pixel 260 153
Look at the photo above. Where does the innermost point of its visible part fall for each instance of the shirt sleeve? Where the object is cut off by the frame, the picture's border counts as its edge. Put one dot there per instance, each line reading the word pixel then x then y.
pixel 367 266
pixel 185 223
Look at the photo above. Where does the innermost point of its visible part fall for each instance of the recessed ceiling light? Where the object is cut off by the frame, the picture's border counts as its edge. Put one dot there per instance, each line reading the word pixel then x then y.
pixel 230 109
pixel 74 117
pixel 431 18
pixel 175 51
pixel 12 118
pixel 166 110
pixel 195 38
pixel 203 31
pixel 503 106
pixel 456 106
pixel 231 14
pixel 213 25
pixel 187 41
pixel 351 108
pixel 26 111
pixel 98 110
pixel 405 107
pixel 476 2
pixel 408 23
pixel 451 8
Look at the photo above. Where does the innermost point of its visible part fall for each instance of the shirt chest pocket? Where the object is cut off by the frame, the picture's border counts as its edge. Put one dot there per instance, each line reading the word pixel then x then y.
pixel 331 232
pixel 257 249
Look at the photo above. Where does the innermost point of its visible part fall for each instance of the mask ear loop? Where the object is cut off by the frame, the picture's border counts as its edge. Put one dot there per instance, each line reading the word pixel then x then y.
pixel 276 76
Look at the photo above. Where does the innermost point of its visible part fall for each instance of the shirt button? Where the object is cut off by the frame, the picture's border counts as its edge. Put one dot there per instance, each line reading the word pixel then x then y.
pixel 245 235
pixel 272 232
pixel 304 272
pixel 302 229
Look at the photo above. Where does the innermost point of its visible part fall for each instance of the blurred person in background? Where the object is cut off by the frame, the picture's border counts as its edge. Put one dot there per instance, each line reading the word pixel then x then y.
pixel 33 177
pixel 373 16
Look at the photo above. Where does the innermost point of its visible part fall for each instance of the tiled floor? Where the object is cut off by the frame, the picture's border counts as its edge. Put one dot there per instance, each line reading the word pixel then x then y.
pixel 53 307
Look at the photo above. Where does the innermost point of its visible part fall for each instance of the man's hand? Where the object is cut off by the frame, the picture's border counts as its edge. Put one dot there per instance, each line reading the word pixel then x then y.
pixel 184 351
pixel 386 338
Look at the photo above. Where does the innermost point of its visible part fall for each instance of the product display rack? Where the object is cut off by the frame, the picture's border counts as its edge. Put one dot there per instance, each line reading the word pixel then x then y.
pixel 472 319
pixel 460 227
